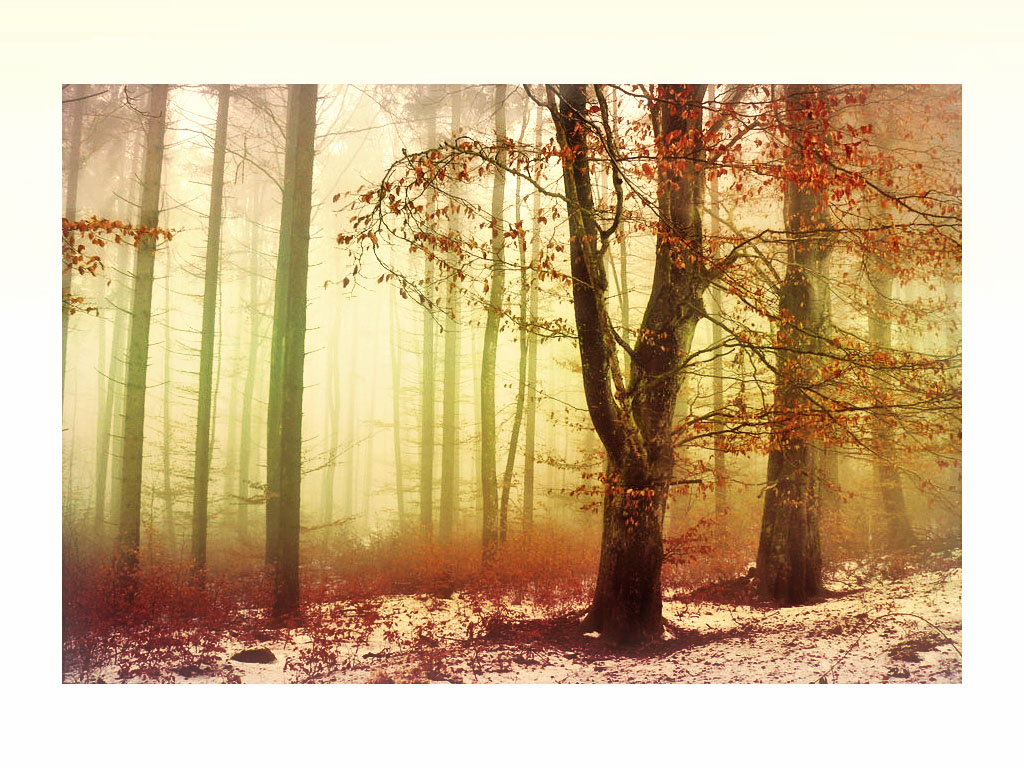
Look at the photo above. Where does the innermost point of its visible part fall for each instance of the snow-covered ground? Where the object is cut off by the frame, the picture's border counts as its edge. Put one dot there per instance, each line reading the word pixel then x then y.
pixel 886 631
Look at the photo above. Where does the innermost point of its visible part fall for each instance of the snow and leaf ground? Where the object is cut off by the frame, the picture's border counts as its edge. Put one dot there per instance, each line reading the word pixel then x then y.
pixel 875 626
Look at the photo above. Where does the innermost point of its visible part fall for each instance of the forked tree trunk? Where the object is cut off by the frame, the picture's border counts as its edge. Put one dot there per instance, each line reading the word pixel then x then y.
pixel 129 530
pixel 284 411
pixel 200 493
pixel 636 431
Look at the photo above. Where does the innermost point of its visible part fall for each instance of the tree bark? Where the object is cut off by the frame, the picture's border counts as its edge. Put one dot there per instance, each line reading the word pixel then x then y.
pixel 636 431
pixel 789 552
pixel 138 345
pixel 284 411
pixel 203 426
pixel 488 427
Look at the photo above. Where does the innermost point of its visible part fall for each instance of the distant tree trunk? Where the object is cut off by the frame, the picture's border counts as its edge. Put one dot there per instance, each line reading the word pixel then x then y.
pixel 73 165
pixel 245 449
pixel 202 456
pixel 896 526
pixel 138 345
pixel 332 415
pixel 396 406
pixel 284 409
pixel 488 427
pixel 789 553
pixel 168 427
pixel 717 395
pixel 427 383
pixel 449 418
pixel 529 450
pixel 524 295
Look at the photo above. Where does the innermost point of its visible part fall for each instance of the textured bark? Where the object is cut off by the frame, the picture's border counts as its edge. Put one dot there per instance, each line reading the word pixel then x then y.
pixel 789 552
pixel 138 339
pixel 203 426
pixel 636 431
pixel 284 412
pixel 488 360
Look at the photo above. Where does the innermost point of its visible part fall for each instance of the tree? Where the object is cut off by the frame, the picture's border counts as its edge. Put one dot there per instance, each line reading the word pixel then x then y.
pixel 72 165
pixel 634 423
pixel 496 287
pixel 284 409
pixel 789 553
pixel 203 426
pixel 138 337
pixel 449 418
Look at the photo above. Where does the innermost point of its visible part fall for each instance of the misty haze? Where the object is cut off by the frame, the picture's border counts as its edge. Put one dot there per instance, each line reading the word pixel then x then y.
pixel 511 383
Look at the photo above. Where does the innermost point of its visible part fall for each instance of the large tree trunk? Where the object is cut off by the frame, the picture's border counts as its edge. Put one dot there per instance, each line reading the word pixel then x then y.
pixel 789 552
pixel 202 456
pixel 489 356
pixel 138 344
pixel 636 431
pixel 284 411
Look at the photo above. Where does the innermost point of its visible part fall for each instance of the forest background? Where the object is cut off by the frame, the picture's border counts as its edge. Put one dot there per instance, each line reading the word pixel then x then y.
pixel 784 42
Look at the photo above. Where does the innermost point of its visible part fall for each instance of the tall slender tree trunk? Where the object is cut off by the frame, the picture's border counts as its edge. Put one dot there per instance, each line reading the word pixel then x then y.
pixel 284 409
pixel 396 410
pixel 332 414
pixel 488 427
pixel 201 486
pixel 427 383
pixel 517 421
pixel 245 439
pixel 138 340
pixel 449 419
pixel 717 374
pixel 530 438
pixel 168 427
pixel 73 165
pixel 789 552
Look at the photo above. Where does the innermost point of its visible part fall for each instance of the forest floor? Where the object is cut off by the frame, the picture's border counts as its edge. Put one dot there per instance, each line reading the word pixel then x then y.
pixel 881 622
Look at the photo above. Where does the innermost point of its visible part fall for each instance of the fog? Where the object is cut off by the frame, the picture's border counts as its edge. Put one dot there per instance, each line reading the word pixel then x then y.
pixel 889 385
